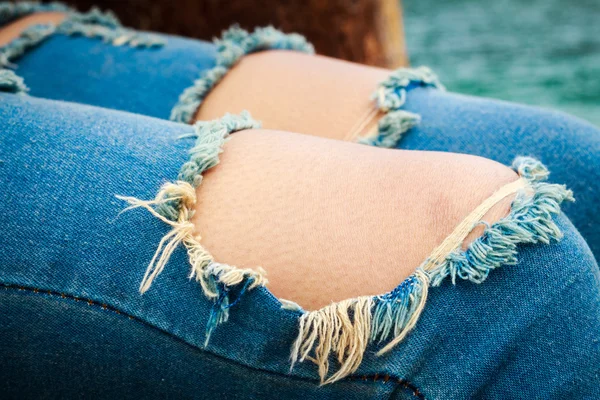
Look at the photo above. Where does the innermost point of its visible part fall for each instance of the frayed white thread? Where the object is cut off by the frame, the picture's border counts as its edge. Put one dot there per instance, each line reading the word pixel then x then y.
pixel 204 268
pixel 341 328
pixel 182 230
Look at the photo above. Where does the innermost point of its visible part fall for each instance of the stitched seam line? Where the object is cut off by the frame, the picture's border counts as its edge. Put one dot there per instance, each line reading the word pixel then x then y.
pixel 107 307
pixel 386 378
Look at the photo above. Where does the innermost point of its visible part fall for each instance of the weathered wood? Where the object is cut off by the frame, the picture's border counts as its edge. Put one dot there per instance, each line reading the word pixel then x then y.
pixel 366 31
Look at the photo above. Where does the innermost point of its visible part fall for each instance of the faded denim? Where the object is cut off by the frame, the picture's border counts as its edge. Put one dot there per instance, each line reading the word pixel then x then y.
pixel 72 319
pixel 149 81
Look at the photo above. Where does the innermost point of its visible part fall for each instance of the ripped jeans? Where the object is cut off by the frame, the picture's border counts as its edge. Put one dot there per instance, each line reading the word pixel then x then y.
pixel 146 80
pixel 71 260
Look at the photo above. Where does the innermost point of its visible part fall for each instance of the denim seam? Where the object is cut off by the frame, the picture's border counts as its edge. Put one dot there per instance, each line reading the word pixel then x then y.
pixel 401 383
pixel 390 97
pixel 231 47
pixel 107 307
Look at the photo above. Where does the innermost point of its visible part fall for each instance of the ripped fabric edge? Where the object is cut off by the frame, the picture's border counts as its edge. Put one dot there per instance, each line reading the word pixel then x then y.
pixel 343 330
pixel 389 98
pixel 10 11
pixel 174 205
pixel 12 83
pixel 231 47
pixel 92 24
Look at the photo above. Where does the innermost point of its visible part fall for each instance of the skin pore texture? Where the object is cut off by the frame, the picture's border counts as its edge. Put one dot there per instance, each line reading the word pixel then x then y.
pixel 330 220
pixel 301 93
pixel 327 219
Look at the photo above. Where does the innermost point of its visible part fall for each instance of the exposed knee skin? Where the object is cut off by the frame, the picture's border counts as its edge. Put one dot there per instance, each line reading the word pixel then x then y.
pixel 13 30
pixel 285 90
pixel 301 93
pixel 330 220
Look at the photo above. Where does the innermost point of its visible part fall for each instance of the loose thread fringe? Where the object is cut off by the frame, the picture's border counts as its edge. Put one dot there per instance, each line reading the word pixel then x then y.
pixel 93 24
pixel 174 205
pixel 231 47
pixel 346 328
pixel 530 221
pixel 341 329
pixel 390 96
pixel 11 82
pixel 107 27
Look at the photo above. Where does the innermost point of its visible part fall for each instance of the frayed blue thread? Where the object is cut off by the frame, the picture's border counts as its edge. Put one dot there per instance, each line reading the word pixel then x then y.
pixel 29 38
pixel 11 82
pixel 174 205
pixel 95 16
pixel 231 47
pixel 211 136
pixel 390 96
pixel 220 310
pixel 392 310
pixel 93 24
pixel 346 327
pixel 391 93
pixel 106 26
pixel 391 127
pixel 530 221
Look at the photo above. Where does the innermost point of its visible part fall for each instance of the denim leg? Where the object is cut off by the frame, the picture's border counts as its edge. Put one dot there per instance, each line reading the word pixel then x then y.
pixel 529 331
pixel 71 313
pixel 498 130
pixel 70 268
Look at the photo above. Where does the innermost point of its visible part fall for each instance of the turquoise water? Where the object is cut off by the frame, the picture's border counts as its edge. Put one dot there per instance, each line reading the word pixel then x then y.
pixel 540 52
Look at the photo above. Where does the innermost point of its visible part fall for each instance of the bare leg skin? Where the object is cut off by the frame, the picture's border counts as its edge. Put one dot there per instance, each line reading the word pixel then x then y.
pixel 284 90
pixel 13 30
pixel 330 220
pixel 301 93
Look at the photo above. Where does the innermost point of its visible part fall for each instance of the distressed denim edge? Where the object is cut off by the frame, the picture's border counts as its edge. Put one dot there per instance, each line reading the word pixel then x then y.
pixel 95 23
pixel 233 44
pixel 174 205
pixel 390 97
pixel 345 329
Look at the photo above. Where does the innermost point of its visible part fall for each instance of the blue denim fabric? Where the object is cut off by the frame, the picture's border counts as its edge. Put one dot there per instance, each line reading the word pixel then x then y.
pixel 72 319
pixel 149 81
pixel 145 81
pixel 498 130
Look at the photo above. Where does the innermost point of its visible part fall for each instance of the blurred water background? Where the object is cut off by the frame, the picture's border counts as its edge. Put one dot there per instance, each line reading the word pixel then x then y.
pixel 540 52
